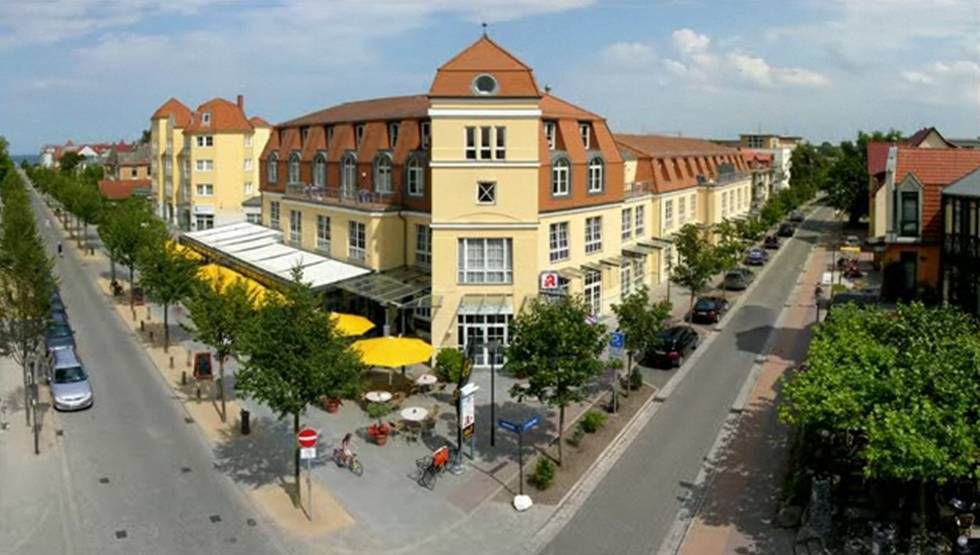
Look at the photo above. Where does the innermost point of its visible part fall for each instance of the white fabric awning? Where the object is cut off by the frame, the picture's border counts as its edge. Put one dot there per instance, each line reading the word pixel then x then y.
pixel 261 249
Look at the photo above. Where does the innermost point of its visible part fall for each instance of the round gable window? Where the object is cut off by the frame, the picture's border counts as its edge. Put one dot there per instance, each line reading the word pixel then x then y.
pixel 485 85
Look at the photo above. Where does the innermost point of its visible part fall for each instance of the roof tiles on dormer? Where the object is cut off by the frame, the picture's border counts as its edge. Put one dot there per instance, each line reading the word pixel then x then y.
pixel 455 77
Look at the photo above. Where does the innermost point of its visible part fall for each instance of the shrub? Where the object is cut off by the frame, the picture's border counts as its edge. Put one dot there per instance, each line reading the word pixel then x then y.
pixel 378 410
pixel 636 379
pixel 544 473
pixel 592 421
pixel 576 438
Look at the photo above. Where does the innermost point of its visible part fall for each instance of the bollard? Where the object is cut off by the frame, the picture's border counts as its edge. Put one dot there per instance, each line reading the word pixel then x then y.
pixel 171 362
pixel 183 377
pixel 198 392
pixel 142 325
pixel 149 316
pixel 188 358
pixel 246 424
pixel 151 337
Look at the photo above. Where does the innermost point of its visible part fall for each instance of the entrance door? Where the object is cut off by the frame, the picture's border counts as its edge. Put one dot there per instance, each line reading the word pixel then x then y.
pixel 910 271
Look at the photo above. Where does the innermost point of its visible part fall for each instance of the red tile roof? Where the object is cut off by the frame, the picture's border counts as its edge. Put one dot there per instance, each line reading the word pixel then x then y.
pixel 375 109
pixel 173 107
pixel 225 117
pixel 554 107
pixel 935 166
pixel 257 121
pixel 656 145
pixel 455 77
pixel 877 157
pixel 121 189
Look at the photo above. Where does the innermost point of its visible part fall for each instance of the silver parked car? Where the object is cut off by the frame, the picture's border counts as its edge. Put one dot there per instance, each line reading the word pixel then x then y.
pixel 70 387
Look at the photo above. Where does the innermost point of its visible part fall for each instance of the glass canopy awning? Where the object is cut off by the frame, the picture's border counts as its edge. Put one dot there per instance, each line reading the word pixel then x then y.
pixel 400 288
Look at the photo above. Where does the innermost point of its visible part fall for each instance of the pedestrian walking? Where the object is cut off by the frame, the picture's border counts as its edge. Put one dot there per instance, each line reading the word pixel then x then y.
pixel 60 250
pixel 47 223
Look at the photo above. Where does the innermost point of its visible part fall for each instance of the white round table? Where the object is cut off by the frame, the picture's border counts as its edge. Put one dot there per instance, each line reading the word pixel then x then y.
pixel 378 396
pixel 427 379
pixel 414 414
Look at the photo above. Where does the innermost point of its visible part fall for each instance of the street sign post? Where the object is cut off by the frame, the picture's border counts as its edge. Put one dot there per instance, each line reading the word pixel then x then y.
pixel 307 442
pixel 617 341
pixel 307 437
pixel 548 281
pixel 521 502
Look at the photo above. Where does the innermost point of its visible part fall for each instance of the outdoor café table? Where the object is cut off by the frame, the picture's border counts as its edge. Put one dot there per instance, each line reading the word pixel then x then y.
pixel 426 380
pixel 378 396
pixel 414 414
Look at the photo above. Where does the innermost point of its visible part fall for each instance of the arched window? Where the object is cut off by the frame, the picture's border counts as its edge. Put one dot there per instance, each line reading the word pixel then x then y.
pixel 320 170
pixel 272 168
pixel 561 178
pixel 294 168
pixel 596 183
pixel 348 175
pixel 414 177
pixel 382 174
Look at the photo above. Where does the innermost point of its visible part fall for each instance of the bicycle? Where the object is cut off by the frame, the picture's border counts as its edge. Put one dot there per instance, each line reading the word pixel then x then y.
pixel 430 466
pixel 352 463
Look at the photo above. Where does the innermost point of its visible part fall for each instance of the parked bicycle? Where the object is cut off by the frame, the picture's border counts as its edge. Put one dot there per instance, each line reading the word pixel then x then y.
pixel 350 462
pixel 430 466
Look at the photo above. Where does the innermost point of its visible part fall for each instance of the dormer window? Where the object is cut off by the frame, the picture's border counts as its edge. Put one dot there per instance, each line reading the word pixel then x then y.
pixel 320 170
pixel 550 134
pixel 359 134
pixel 206 118
pixel 293 168
pixel 425 131
pixel 272 168
pixel 392 134
pixel 585 130
pixel 908 208
pixel 596 183
pixel 329 135
pixel 485 85
pixel 382 174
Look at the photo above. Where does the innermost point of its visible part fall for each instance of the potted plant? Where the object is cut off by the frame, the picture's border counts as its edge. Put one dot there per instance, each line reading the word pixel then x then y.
pixel 380 430
pixel 330 404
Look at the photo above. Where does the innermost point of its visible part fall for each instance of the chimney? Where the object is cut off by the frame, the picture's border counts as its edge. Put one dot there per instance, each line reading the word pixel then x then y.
pixel 241 102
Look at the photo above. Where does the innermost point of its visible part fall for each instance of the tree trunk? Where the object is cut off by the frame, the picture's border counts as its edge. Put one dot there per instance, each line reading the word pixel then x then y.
pixel 132 299
pixel 85 235
pixel 221 389
pixel 112 267
pixel 561 428
pixel 690 307
pixel 27 399
pixel 166 328
pixel 296 457
pixel 78 231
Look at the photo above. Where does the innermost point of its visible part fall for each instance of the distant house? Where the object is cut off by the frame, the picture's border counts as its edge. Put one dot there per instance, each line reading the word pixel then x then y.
pixel 128 163
pixel 121 189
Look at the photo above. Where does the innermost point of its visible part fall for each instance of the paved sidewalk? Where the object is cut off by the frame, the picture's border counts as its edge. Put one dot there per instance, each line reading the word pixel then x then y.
pixel 747 471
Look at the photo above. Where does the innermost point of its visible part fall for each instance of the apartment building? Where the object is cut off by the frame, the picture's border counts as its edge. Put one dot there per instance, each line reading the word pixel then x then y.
pixel 690 181
pixel 780 147
pixel 205 162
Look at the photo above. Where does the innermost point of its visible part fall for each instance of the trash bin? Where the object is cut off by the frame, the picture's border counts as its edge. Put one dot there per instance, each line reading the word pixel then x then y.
pixel 246 425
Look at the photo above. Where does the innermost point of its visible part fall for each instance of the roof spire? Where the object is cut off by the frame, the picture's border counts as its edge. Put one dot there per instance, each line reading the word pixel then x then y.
pixel 484 25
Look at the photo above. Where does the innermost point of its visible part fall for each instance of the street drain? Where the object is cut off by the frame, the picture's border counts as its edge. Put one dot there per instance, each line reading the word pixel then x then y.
pixel 121 534
pixel 215 518
pixel 185 469
pixel 250 522
pixel 103 480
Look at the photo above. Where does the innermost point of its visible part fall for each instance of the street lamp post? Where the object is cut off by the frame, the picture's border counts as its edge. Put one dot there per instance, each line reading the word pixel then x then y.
pixel 493 348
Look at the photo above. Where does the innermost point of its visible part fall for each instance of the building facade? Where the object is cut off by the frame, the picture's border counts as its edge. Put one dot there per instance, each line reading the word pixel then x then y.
pixel 959 260
pixel 205 162
pixel 780 147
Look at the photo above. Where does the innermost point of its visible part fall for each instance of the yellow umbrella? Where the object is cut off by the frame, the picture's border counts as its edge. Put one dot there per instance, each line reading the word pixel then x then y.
pixel 184 250
pixel 214 272
pixel 350 324
pixel 392 352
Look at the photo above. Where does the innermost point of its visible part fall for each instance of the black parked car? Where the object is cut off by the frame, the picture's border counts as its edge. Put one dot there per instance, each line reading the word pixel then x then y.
pixel 709 309
pixel 672 346
pixel 756 256
pixel 771 242
pixel 57 305
pixel 738 279
pixel 786 230
pixel 797 216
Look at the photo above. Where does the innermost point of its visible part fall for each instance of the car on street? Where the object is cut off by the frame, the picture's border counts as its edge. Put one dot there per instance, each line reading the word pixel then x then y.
pixel 756 256
pixel 671 347
pixel 796 216
pixel 853 241
pixel 57 305
pixel 771 242
pixel 709 309
pixel 70 387
pixel 786 230
pixel 738 279
pixel 58 334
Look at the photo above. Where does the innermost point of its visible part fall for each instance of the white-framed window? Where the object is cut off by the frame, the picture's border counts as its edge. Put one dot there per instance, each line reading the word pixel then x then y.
pixel 168 165
pixel 585 130
pixel 204 165
pixel 593 290
pixel 392 134
pixel 247 189
pixel 483 260
pixel 481 329
pixel 323 232
pixel 356 240
pixel 204 221
pixel 295 226
pixel 470 143
pixel 627 222
pixel 501 141
pixel 206 118
pixel 595 175
pixel 272 168
pixel 205 140
pixel 415 177
pixel 348 175
pixel 254 219
pixel 486 192
pixel 359 134
pixel 558 242
pixel 639 272
pixel 425 130
pixel 694 206
pixel 724 204
pixel 320 170
pixel 274 214
pixel 640 228
pixel 625 280
pixel 248 141
pixel 668 214
pixel 423 245
pixel 382 174
pixel 293 168
pixel 205 189
pixel 681 210
pixel 551 134
pixel 593 234
pixel 248 164
pixel 486 144
pixel 561 178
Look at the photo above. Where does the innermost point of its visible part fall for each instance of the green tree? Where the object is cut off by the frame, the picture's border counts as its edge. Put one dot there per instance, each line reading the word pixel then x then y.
pixel 87 207
pixel 699 259
pixel 69 161
pixel 291 355
pixel 558 350
pixel 124 230
pixel 219 313
pixel 166 275
pixel 145 137
pixel 728 245
pixel 640 320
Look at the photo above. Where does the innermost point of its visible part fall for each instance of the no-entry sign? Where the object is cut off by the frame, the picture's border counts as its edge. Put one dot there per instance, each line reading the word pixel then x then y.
pixel 307 437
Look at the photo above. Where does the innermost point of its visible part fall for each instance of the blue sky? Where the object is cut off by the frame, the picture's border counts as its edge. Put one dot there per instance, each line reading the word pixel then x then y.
pixel 96 69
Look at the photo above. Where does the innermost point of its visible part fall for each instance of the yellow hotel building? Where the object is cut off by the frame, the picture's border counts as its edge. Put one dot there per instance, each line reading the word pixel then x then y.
pixel 204 163
pixel 457 200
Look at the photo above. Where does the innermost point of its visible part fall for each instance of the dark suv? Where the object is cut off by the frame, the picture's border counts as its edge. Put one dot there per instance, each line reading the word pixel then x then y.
pixel 671 346
pixel 709 309
pixel 771 242
pixel 786 230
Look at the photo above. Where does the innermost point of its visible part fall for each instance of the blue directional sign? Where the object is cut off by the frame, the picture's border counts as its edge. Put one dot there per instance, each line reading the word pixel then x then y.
pixel 617 340
pixel 509 426
pixel 531 423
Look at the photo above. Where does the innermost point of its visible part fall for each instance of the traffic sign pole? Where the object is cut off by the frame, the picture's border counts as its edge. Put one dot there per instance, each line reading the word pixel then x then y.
pixel 520 460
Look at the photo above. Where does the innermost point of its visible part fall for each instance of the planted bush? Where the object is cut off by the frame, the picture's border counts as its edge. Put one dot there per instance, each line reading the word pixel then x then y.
pixel 592 421
pixel 544 473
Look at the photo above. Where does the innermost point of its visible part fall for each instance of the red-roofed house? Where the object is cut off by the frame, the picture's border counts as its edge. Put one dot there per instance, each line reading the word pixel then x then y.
pixel 120 189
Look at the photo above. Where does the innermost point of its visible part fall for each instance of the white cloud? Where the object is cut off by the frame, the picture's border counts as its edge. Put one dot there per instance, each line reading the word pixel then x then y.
pixel 628 54
pixel 689 42
pixel 945 82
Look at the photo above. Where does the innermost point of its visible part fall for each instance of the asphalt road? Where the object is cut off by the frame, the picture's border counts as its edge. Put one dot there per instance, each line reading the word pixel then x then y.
pixel 134 477
pixel 632 510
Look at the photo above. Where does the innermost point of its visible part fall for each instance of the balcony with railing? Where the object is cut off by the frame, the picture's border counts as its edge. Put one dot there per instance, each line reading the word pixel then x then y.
pixel 960 246
pixel 338 196
pixel 637 188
